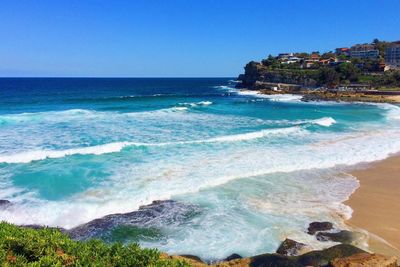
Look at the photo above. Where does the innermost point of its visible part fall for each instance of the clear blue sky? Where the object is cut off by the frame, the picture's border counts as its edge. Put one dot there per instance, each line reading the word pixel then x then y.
pixel 178 38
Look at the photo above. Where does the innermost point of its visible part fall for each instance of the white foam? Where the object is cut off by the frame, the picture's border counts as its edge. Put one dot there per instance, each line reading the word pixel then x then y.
pixel 179 108
pixel 255 135
pixel 205 103
pixel 29 156
pixel 226 88
pixel 393 111
pixel 327 121
pixel 201 103
pixel 273 97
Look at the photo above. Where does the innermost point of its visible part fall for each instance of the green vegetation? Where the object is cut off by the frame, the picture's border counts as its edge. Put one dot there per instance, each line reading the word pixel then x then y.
pixel 49 247
pixel 326 69
pixel 357 71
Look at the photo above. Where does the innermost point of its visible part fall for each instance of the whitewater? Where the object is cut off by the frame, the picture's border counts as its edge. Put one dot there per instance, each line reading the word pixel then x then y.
pixel 258 168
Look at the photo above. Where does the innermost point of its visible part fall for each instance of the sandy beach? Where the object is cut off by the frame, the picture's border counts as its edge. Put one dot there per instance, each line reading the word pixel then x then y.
pixel 376 205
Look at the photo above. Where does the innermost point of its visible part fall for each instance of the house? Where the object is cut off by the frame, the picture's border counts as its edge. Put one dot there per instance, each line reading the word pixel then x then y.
pixel 364 51
pixel 309 63
pixel 338 62
pixel 392 56
pixel 292 59
pixel 285 56
pixel 327 61
pixel 343 51
pixel 315 57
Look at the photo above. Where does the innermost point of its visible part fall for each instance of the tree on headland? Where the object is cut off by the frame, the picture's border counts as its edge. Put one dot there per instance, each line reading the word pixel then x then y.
pixel 270 61
pixel 347 71
pixel 328 77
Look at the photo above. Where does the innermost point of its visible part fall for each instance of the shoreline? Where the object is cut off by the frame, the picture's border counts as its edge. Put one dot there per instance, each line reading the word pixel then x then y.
pixel 315 95
pixel 376 205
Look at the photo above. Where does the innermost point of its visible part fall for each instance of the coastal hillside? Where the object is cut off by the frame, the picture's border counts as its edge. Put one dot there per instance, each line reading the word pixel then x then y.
pixel 361 67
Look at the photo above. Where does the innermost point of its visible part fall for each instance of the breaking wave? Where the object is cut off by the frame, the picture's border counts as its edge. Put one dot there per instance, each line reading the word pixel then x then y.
pixel 29 156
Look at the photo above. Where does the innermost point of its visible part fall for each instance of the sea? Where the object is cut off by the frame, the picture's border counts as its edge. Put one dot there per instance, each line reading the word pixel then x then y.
pixel 257 168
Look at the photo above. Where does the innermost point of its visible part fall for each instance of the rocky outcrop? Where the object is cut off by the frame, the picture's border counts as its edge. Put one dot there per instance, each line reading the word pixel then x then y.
pixel 365 260
pixel 315 227
pixel 257 75
pixel 325 231
pixel 4 203
pixel 290 247
pixel 155 215
pixel 313 258
pixel 234 256
pixel 343 236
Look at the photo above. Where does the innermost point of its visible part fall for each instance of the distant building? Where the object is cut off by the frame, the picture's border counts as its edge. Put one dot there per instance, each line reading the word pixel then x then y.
pixel 392 56
pixel 309 63
pixel 364 51
pixel 285 56
pixel 315 57
pixel 354 87
pixel 327 61
pixel 343 51
pixel 292 59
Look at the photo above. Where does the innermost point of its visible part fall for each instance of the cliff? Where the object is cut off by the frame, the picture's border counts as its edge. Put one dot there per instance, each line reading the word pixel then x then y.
pixel 257 76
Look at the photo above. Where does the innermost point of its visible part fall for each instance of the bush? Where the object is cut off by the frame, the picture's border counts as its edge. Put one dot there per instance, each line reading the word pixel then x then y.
pixel 49 247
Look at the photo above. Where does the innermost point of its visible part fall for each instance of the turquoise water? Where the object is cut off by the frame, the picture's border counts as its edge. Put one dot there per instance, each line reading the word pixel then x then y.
pixel 259 168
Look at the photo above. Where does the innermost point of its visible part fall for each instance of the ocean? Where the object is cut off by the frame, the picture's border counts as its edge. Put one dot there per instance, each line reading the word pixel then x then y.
pixel 255 169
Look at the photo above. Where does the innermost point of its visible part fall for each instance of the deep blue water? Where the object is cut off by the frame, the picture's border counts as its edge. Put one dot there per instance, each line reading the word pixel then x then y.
pixel 259 168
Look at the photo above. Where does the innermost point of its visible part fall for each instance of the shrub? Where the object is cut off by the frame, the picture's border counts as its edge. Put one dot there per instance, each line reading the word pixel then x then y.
pixel 49 247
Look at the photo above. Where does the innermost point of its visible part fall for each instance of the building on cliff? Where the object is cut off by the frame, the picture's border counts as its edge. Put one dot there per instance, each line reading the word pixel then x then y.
pixel 392 56
pixel 342 51
pixel 364 51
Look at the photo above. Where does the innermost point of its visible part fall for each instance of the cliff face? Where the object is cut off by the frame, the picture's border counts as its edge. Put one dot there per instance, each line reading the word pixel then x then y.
pixel 257 76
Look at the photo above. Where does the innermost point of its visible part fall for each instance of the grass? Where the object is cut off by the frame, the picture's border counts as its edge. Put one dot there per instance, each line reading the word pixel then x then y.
pixel 49 247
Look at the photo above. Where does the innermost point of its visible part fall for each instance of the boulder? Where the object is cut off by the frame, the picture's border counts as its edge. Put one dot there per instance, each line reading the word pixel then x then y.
pixel 4 203
pixel 234 256
pixel 324 257
pixel 344 236
pixel 365 260
pixel 290 247
pixel 315 227
pixel 274 260
pixel 313 258
pixel 153 216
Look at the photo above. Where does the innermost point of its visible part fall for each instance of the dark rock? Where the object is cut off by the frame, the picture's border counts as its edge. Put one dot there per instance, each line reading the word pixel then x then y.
pixel 290 247
pixel 313 258
pixel 344 236
pixel 4 203
pixel 274 260
pixel 324 257
pixel 155 215
pixel 234 256
pixel 319 226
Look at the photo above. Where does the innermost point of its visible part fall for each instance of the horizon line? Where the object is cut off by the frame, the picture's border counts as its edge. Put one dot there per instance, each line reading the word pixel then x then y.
pixel 114 77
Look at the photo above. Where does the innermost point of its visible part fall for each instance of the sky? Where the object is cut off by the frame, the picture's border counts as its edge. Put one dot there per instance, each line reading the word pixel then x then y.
pixel 178 38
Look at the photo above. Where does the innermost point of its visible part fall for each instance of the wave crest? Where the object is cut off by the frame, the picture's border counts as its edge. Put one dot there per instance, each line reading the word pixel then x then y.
pixel 29 156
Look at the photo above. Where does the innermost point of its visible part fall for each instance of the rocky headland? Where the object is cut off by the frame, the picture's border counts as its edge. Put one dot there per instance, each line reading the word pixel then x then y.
pixel 310 83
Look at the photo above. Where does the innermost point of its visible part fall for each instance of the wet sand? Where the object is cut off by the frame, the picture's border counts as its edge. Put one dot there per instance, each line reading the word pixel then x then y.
pixel 376 205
